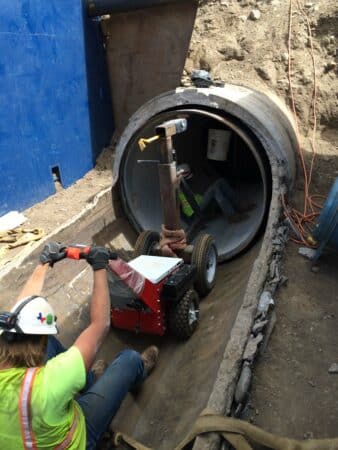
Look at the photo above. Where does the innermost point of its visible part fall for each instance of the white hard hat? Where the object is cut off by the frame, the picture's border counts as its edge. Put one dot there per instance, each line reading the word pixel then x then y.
pixel 32 315
pixel 185 168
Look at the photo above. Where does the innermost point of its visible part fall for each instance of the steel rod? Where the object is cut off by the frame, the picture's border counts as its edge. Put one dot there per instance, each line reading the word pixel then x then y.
pixel 101 7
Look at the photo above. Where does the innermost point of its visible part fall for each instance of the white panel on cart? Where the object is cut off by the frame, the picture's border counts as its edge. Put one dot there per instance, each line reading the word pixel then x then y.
pixel 154 268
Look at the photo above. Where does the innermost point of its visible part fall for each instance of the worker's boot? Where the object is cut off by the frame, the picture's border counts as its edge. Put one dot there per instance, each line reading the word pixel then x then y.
pixel 150 358
pixel 99 367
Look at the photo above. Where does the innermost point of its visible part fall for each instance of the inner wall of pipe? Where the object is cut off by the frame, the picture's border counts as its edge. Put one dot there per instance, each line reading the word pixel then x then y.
pixel 243 169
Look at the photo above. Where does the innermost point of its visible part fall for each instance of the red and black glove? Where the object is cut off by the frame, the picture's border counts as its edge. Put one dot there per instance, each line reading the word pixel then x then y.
pixel 52 253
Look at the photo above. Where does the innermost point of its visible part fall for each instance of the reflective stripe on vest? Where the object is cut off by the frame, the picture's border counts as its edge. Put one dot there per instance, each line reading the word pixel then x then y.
pixel 28 438
pixel 68 439
pixel 186 207
pixel 24 409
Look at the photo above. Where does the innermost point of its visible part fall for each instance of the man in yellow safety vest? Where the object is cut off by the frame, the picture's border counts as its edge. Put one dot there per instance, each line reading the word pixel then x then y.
pixel 217 192
pixel 50 399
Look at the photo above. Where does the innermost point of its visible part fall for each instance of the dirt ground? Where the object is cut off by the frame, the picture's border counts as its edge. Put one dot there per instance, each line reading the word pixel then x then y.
pixel 246 42
pixel 292 392
pixel 239 50
pixel 186 371
pixel 58 208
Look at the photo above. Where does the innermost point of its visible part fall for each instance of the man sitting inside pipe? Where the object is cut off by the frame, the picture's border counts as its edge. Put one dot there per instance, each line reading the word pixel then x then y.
pixel 53 398
pixel 199 195
pixel 216 192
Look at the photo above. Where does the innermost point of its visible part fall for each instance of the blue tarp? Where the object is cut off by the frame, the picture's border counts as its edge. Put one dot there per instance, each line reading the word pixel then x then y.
pixel 326 230
pixel 54 98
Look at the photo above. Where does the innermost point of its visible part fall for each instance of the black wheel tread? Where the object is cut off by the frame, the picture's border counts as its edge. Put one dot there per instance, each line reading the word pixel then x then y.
pixel 144 242
pixel 179 316
pixel 203 243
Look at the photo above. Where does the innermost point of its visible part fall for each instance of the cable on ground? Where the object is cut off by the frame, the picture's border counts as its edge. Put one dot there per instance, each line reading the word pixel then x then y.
pixel 303 222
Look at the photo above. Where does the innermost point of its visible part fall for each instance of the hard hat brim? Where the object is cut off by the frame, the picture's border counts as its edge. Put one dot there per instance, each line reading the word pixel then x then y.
pixel 43 331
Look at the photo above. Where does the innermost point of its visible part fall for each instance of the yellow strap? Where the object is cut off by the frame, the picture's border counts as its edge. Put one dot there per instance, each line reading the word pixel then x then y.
pixel 121 438
pixel 3 251
pixel 143 142
pixel 18 237
pixel 15 235
pixel 239 434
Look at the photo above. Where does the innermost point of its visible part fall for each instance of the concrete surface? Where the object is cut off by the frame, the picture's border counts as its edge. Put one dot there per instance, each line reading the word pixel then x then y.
pixel 141 66
pixel 262 113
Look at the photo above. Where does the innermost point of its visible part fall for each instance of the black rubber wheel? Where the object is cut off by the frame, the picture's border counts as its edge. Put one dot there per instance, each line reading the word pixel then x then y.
pixel 204 257
pixel 145 243
pixel 184 316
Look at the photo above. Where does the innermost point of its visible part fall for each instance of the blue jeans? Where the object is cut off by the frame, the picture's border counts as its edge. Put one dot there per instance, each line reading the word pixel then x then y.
pixel 101 399
pixel 223 194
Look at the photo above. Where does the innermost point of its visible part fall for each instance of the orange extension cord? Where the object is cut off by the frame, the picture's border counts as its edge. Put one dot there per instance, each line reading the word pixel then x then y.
pixel 303 221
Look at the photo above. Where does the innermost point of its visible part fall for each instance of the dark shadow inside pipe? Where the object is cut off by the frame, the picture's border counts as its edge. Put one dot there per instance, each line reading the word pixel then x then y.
pixel 244 169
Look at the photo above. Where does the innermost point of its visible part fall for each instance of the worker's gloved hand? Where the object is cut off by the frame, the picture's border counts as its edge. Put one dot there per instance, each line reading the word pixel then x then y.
pixel 52 253
pixel 98 257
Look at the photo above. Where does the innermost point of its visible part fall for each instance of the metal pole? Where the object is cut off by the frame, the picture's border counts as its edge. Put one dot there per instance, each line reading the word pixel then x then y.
pixel 102 7
pixel 170 206
pixel 168 185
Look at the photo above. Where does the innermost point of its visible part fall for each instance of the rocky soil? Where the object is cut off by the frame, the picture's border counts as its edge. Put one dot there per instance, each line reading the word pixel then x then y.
pixel 247 42
pixel 251 42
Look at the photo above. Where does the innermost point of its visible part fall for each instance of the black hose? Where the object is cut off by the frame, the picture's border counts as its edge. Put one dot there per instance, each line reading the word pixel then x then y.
pixel 101 7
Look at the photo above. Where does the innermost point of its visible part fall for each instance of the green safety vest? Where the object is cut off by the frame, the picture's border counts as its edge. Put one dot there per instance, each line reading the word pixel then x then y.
pixel 187 209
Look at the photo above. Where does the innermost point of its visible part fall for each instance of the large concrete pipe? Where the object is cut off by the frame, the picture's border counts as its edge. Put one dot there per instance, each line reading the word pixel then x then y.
pixel 260 157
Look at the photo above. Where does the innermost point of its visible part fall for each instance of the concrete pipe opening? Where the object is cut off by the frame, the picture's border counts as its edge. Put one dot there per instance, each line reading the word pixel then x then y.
pixel 254 139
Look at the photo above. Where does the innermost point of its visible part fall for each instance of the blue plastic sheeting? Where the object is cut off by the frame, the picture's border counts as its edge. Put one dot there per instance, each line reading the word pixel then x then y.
pixel 326 231
pixel 55 110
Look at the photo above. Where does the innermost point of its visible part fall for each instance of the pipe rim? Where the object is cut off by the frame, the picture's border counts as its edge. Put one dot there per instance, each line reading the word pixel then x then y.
pixel 240 131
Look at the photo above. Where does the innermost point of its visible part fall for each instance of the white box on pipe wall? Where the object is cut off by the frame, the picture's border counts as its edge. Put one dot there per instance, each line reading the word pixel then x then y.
pixel 218 144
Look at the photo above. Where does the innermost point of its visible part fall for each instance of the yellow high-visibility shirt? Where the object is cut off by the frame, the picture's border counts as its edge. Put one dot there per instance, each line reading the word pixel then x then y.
pixel 52 403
